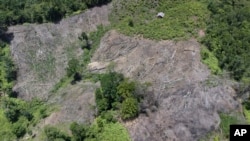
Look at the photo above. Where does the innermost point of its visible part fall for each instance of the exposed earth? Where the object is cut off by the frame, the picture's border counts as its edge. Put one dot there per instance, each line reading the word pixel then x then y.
pixel 186 98
pixel 189 98
pixel 42 51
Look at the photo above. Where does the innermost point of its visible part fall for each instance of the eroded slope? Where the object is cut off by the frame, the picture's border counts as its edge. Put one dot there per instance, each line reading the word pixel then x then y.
pixel 189 100
pixel 41 52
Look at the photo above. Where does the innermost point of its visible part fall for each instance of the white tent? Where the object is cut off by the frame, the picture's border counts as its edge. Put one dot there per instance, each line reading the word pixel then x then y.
pixel 160 15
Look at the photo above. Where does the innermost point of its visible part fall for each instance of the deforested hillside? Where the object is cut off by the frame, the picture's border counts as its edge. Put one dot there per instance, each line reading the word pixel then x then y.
pixel 123 70
pixel 42 51
pixel 188 99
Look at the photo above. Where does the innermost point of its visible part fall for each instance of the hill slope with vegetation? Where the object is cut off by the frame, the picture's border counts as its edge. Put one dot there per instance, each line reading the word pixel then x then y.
pixel 72 71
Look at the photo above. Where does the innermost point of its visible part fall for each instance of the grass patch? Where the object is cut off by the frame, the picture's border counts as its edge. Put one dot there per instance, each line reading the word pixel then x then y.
pixel 113 132
pixel 182 20
pixel 226 121
pixel 246 114
pixel 210 60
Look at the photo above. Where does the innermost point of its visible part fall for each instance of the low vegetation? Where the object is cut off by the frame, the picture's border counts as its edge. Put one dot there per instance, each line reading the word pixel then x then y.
pixel 18 116
pixel 53 134
pixel 210 60
pixel 226 121
pixel 183 19
pixel 99 130
pixel 7 70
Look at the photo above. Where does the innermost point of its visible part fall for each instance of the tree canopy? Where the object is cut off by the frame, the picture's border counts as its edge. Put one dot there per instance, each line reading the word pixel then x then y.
pixel 228 36
pixel 38 11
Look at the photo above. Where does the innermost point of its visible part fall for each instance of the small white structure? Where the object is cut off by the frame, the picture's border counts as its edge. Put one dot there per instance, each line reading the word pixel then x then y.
pixel 160 15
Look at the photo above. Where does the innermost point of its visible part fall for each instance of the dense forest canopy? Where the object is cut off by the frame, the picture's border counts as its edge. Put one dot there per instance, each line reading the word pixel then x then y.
pixel 228 36
pixel 31 11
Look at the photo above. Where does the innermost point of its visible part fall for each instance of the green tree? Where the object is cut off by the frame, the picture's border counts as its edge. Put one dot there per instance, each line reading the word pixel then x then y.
pixel 126 89
pixel 129 108
pixel 19 128
pixel 101 101
pixel 228 36
pixel 53 133
pixel 78 131
pixel 109 84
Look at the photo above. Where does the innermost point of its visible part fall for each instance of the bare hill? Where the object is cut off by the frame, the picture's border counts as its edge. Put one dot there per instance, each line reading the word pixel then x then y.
pixel 189 100
pixel 42 51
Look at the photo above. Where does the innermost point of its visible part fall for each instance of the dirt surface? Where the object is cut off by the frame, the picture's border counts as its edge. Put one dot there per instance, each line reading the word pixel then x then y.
pixel 189 100
pixel 75 103
pixel 42 51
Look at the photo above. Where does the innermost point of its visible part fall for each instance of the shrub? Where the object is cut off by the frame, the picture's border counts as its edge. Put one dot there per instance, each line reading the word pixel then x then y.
pixel 129 108
pixel 53 133
pixel 107 94
pixel 109 116
pixel 19 129
pixel 102 105
pixel 78 131
pixel 73 67
pixel 126 89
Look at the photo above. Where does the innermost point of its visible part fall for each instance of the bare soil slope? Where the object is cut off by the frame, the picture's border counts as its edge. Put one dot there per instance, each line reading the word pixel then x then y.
pixel 41 52
pixel 189 100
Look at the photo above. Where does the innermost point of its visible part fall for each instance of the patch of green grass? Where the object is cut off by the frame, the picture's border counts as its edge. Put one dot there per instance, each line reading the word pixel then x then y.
pixel 182 20
pixel 210 60
pixel 107 131
pixel 246 114
pixel 114 132
pixel 226 121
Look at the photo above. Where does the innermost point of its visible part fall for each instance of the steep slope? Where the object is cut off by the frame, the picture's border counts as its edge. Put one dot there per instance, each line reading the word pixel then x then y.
pixel 42 51
pixel 189 100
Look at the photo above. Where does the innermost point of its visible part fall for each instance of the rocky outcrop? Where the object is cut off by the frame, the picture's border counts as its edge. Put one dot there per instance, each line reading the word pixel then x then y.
pixel 188 98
